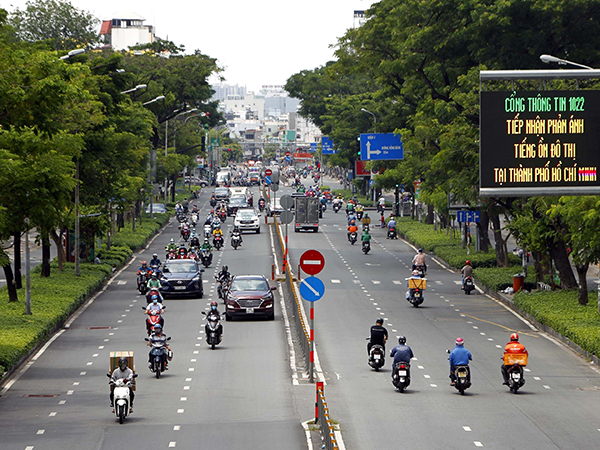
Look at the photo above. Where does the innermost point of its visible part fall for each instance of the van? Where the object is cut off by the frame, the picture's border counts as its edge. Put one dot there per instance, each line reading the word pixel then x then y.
pixel 223 178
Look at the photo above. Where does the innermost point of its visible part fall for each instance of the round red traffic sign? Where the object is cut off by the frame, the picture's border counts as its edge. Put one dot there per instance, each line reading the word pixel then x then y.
pixel 287 153
pixel 312 262
pixel 268 172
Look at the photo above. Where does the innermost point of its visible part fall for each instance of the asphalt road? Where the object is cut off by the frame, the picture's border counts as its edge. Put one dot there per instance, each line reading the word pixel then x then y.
pixel 556 409
pixel 235 397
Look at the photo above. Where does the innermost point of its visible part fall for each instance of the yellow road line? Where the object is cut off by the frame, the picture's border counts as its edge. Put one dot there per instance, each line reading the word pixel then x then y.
pixel 501 326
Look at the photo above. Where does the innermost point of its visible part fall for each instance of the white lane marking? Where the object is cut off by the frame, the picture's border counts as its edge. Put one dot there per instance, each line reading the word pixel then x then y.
pixel 172 444
pixel 119 321
pixel 101 347
pixel 427 376
pixel 127 310
pixel 546 386
pixel 394 331
pixel 477 444
pixel 498 346
pixel 106 340
pixel 95 355
pixel 204 281
pixel 537 378
pixel 40 432
pixel 192 360
pixel 198 345
pixel 191 369
pixel 177 428
pixel 356 281
pixel 70 392
pixel 456 309
pixel 188 379
pixel 196 352
pixel 475 327
pixel 186 388
pixel 490 339
pixel 180 411
pixel 389 324
pixel 433 385
pixel 376 281
pixel 438 282
pixel 457 282
pixel 29 447
pixel 183 399
pixel 336 281
pixel 52 414
pixel 76 383
pixel 526 369
pixel 378 309
pixel 121 282
pixel 338 375
pixel 467 428
pixel 421 367
pixel 396 282
pixel 89 363
pixel 483 334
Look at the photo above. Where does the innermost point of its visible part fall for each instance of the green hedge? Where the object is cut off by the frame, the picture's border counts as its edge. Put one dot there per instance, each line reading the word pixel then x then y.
pixel 499 278
pixel 560 310
pixel 53 299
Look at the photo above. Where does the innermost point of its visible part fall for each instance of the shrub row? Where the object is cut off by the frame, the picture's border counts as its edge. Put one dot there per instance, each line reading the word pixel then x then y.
pixel 54 298
pixel 499 278
pixel 560 310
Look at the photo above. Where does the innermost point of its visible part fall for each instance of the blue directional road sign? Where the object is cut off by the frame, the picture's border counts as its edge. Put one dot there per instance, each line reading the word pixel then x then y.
pixel 467 216
pixel 327 146
pixel 312 289
pixel 268 180
pixel 288 159
pixel 313 147
pixel 381 146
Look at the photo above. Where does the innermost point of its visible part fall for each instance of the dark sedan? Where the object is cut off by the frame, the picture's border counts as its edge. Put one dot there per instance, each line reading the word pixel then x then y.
pixel 248 296
pixel 182 277
pixel 236 203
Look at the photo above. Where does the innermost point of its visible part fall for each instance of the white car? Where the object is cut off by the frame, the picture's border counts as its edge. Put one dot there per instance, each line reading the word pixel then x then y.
pixel 247 219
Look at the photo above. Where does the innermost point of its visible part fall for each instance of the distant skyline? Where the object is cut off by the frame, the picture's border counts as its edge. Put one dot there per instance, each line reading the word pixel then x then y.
pixel 257 43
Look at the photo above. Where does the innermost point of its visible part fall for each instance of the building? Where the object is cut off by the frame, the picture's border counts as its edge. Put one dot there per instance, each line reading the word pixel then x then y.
pixel 222 91
pixel 126 30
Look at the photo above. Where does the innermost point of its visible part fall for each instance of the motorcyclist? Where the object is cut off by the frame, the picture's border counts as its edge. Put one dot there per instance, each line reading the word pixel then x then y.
pixel 366 237
pixel 414 274
pixel 467 271
pixel 460 356
pixel 381 203
pixel 185 204
pixel 391 225
pixel 236 232
pixel 352 228
pixel 153 282
pixel 223 274
pixel 513 347
pixel 122 373
pixel 349 207
pixel 156 308
pixel 195 210
pixel 155 261
pixel 351 217
pixel 210 217
pixel 217 232
pixel 419 260
pixel 171 245
pixel 194 241
pixel 182 253
pixel 213 312
pixel 144 268
pixel 401 353
pixel 206 245
pixel 379 335
pixel 158 339
pixel 178 208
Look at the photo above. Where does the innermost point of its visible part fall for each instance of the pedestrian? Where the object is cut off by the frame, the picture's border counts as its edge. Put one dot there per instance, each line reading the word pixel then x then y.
pixel 382 220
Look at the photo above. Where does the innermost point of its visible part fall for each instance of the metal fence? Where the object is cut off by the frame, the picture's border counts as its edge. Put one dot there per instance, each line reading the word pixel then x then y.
pixel 324 422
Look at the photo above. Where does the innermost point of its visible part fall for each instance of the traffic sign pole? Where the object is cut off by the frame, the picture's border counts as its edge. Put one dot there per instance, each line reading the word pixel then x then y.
pixel 311 364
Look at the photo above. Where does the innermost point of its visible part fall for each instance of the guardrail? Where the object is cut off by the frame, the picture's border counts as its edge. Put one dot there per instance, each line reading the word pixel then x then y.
pixel 323 420
pixel 303 335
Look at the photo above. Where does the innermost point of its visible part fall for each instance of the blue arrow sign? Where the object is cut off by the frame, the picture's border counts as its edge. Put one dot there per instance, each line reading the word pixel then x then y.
pixel 327 146
pixel 288 159
pixel 312 289
pixel 381 146
pixel 313 147
pixel 467 216
pixel 268 180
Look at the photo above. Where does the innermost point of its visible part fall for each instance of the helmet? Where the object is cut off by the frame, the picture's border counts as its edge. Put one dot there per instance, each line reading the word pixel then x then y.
pixel 467 262
pixel 225 269
pixel 212 211
pixel 514 337
pixel 155 255
pixel 401 340
pixel 154 276
pixel 122 363
pixel 144 263
pixel 158 327
pixel 415 272
pixel 379 321
pixel 459 341
pixel 213 305
pixel 155 298
pixel 352 222
pixel 172 240
pixel 420 250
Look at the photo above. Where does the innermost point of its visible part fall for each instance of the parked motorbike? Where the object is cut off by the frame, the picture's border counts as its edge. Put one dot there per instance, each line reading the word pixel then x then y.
pixel 206 257
pixel 376 356
pixel 159 355
pixel 392 233
pixel 353 237
pixel 218 242
pixel 401 376
pixel 121 396
pixel 468 285
pixel 366 247
pixel 212 330
pixel 153 319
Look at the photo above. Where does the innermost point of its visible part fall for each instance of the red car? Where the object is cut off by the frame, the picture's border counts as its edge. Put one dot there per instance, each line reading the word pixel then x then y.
pixel 250 295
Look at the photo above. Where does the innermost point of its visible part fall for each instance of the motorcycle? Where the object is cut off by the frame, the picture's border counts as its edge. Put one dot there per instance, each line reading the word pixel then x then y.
pixel 513 364
pixel 391 234
pixel 462 382
pixel 222 215
pixel 223 286
pixel 206 257
pixel 159 355
pixel 194 219
pixel 207 230
pixel 171 254
pixel 213 334
pixel 218 242
pixel 376 356
pixel 468 285
pixel 416 297
pixel 213 202
pixel 155 268
pixel 366 247
pixel 261 205
pixel 353 237
pixel 150 293
pixel 121 396
pixel 401 376
pixel 142 281
pixel 421 270
pixel 185 234
pixel 236 241
pixel 152 320
pixel 322 209
pixel 180 217
pixel 337 207
pixel 359 214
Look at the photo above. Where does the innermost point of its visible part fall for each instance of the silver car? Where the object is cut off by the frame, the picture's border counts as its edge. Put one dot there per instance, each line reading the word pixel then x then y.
pixel 247 219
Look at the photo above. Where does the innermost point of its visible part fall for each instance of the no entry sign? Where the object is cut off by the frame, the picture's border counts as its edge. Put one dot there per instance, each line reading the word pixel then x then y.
pixel 268 172
pixel 312 262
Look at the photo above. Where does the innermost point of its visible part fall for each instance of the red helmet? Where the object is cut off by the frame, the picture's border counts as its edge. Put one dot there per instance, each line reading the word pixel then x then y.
pixel 212 210
pixel 460 341
pixel 514 337
pixel 144 263
pixel 213 303
pixel 467 262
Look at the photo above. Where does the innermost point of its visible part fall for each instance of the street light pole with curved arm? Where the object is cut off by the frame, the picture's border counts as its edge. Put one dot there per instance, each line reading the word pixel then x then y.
pixel 562 62
pixel 374 118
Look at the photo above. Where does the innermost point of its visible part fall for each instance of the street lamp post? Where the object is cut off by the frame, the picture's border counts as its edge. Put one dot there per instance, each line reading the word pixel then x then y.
pixel 137 88
pixel 27 270
pixel 375 128
pixel 562 62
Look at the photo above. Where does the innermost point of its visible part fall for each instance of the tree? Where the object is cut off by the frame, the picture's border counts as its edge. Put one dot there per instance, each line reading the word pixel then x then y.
pixel 56 20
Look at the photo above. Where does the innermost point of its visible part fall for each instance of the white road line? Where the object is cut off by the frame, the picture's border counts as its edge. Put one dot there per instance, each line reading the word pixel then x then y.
pixel 70 392
pixel 29 447
pixel 498 346
pixel 457 282
pixel 40 432
pixel 62 402
pixel 427 376
pixel 394 331
pixel 546 386
pixel 52 414
pixel 186 388
pixel 121 282
pixel 396 282
pixel 89 363
pixel 101 347
pixel 336 281
pixel 376 281
pixel 490 339
pixel 433 385
pixel 467 428
pixel 95 355
pixel 438 282
pixel 76 383
pixel 537 378
pixel 421 367
pixel 188 379
pixel 177 428
pixel 172 444
pixel 191 369
pixel 193 360
pixel 526 369
pixel 475 327
pixel 183 399
pixel 477 444
pixel 180 411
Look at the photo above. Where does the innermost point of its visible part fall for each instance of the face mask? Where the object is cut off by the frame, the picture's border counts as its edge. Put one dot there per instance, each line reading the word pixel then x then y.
pixel 214 307
pixel 155 301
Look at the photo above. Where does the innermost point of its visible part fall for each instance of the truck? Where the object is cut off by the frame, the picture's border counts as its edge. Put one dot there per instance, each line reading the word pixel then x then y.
pixel 306 214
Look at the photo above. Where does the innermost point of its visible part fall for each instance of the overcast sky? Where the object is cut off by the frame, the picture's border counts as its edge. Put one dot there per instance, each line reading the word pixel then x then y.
pixel 259 42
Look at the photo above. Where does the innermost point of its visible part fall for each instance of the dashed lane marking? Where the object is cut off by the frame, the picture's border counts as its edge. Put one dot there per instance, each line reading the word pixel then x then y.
pixel 376 281
pixel 336 281
pixel 177 428
pixel 180 411
pixel 121 282
pixel 467 428
pixel 477 444
pixel 52 414
pixel 172 444
pixel 396 282
pixel 40 432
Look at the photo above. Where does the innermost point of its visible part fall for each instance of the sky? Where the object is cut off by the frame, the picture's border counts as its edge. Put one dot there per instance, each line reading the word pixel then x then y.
pixel 261 42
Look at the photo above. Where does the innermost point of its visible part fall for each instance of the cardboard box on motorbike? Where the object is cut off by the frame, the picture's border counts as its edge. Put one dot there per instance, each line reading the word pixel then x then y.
pixel 417 283
pixel 114 363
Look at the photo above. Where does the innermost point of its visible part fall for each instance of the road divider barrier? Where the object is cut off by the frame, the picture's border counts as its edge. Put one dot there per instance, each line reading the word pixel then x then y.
pixel 323 420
